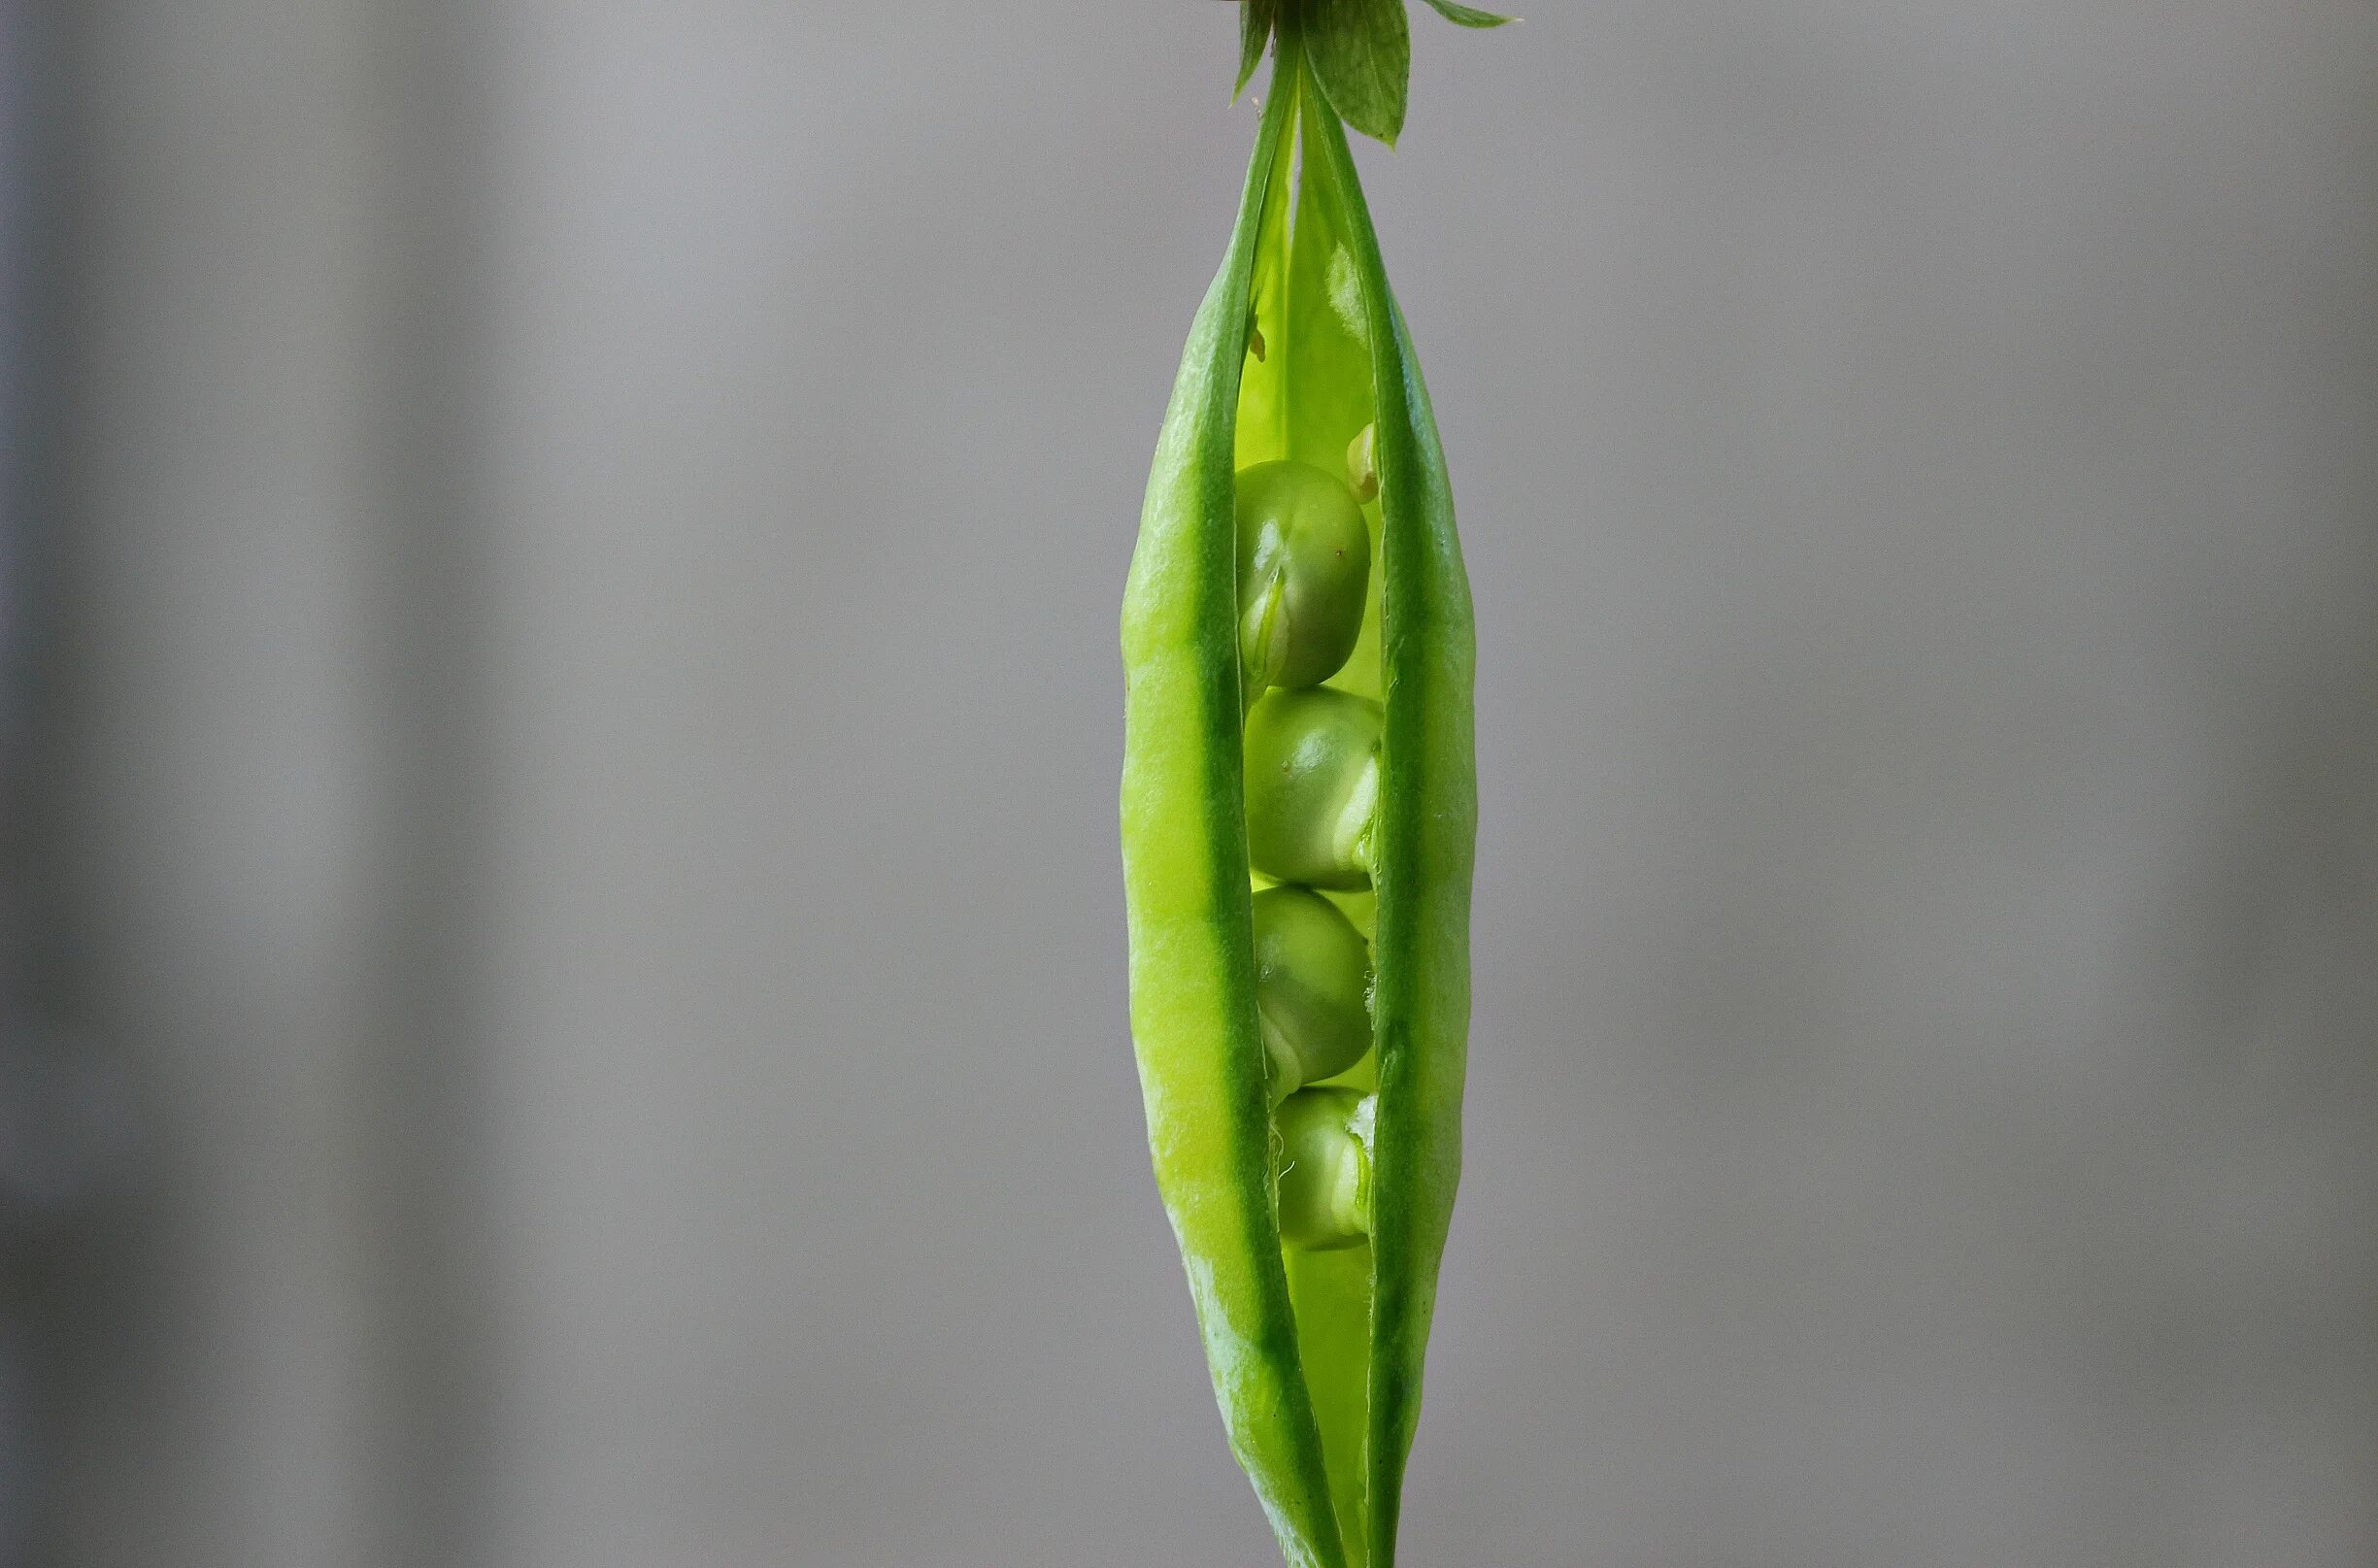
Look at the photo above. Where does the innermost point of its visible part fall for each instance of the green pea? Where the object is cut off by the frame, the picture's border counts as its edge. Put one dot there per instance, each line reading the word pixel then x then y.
pixel 1313 982
pixel 1233 769
pixel 1304 561
pixel 1313 786
pixel 1324 1163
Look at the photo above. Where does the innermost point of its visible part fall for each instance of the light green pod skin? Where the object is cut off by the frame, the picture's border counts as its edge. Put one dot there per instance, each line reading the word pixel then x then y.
pixel 1316 1355
pixel 1324 1160
pixel 1313 985
pixel 1304 564
pixel 1312 768
pixel 1187 896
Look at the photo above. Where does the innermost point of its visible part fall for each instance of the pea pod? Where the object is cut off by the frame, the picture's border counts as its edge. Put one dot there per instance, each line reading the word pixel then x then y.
pixel 1315 1342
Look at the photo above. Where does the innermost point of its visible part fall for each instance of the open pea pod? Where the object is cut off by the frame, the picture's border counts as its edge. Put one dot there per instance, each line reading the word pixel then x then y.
pixel 1298 846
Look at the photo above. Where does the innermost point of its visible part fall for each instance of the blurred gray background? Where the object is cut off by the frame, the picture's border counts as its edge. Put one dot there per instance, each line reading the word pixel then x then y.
pixel 574 753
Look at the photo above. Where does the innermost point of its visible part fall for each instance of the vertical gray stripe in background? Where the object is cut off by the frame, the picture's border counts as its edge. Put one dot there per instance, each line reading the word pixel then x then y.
pixel 259 800
pixel 423 1122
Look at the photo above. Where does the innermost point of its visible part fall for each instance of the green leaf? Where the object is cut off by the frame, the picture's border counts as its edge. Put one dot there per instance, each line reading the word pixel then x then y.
pixel 1255 20
pixel 1361 55
pixel 1461 15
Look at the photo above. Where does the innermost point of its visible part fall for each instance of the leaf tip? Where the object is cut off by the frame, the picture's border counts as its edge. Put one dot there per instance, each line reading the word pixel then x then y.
pixel 1461 15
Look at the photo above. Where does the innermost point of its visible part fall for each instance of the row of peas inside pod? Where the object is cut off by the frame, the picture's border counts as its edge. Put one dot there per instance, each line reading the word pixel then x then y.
pixel 1312 773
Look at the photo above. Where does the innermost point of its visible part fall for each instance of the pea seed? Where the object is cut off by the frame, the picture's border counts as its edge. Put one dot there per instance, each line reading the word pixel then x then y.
pixel 1313 981
pixel 1312 761
pixel 1304 561
pixel 1325 1168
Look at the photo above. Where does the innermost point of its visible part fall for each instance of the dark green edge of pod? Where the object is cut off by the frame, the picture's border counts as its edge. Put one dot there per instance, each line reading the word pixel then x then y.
pixel 1424 852
pixel 1191 931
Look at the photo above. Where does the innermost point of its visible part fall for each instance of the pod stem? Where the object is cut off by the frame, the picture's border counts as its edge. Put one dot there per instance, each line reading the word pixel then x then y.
pixel 1361 51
